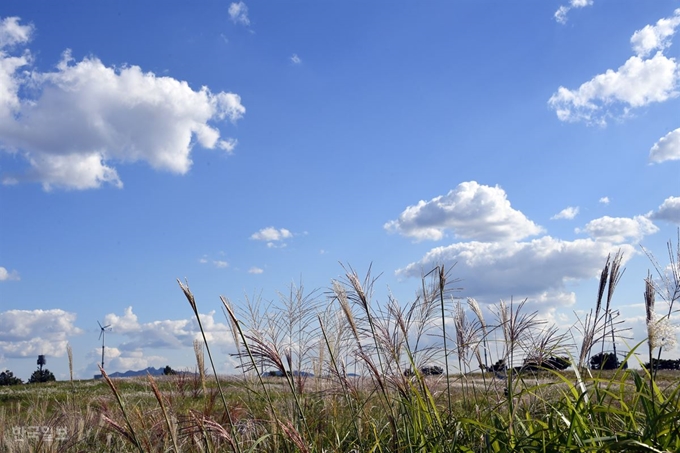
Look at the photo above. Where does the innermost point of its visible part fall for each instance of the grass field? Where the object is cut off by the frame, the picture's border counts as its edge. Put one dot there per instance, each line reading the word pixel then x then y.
pixel 391 406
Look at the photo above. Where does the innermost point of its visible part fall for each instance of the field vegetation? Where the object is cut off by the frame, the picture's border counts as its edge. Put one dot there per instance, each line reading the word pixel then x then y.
pixel 340 372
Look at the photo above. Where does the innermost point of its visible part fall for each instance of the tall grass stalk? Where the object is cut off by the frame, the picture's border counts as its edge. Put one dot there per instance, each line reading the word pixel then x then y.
pixel 192 302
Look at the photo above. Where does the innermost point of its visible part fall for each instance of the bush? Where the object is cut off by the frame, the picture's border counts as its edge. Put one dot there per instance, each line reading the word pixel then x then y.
pixel 8 378
pixel 169 371
pixel 41 376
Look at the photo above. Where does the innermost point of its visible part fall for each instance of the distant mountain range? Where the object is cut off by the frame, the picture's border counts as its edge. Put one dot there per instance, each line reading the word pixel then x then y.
pixel 129 373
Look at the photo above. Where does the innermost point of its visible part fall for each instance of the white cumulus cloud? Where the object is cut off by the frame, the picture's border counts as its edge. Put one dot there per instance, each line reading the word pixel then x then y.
pixel 655 37
pixel 604 200
pixel 72 124
pixel 26 333
pixel 668 211
pixel 238 12
pixel 255 270
pixel 638 82
pixel 166 334
pixel 567 213
pixel 619 229
pixel 470 211
pixel 537 269
pixel 667 148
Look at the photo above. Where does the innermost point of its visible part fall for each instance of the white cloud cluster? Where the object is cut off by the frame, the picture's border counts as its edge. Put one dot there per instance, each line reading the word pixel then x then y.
pixel 638 82
pixel 85 115
pixel 238 12
pixel 538 269
pixel 562 11
pixel 471 211
pixel 166 334
pixel 619 229
pixel 667 148
pixel 668 211
pixel 255 270
pixel 274 237
pixel 567 213
pixel 604 200
pixel 27 333
pixel 6 275
pixel 655 37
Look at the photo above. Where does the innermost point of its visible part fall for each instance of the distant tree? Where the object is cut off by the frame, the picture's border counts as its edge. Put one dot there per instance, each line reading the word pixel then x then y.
pixel 41 376
pixel 168 371
pixel 8 378
pixel 497 367
pixel 663 364
pixel 606 361
pixel 557 363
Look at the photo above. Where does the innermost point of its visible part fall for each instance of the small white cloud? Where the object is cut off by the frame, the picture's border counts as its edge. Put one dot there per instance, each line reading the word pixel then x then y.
pixel 566 213
pixel 220 264
pixel 604 200
pixel 637 83
pixel 295 59
pixel 655 37
pixel 6 275
pixel 470 211
pixel 667 148
pixel 668 211
pixel 561 13
pixel 238 12
pixel 12 33
pixel 271 234
pixel 203 260
pixel 255 270
pixel 619 229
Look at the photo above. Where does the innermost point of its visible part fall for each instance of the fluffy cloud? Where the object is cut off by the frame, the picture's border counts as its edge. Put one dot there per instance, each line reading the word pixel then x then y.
pixel 26 333
pixel 84 116
pixel 637 83
pixel 619 229
pixel 655 37
pixel 668 211
pixel 255 270
pixel 6 275
pixel 272 236
pixel 470 211
pixel 166 334
pixel 567 213
pixel 295 59
pixel 537 269
pixel 238 12
pixel 604 200
pixel 667 148
pixel 561 13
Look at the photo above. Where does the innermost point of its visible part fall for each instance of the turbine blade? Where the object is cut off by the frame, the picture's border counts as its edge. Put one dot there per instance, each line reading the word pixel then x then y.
pixel 100 325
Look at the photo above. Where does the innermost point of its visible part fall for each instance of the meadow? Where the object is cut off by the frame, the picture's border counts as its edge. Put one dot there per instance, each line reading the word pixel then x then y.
pixel 340 372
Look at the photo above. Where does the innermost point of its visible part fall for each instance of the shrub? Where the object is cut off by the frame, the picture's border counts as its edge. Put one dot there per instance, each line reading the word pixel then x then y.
pixel 8 378
pixel 41 376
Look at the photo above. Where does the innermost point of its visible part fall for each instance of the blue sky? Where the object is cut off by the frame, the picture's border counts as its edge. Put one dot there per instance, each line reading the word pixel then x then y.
pixel 250 146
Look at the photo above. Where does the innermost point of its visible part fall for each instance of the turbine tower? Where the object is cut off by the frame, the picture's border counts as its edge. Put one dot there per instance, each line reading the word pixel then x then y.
pixel 101 335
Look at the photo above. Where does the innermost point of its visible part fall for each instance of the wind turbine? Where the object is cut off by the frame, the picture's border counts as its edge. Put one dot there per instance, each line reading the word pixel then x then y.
pixel 101 335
